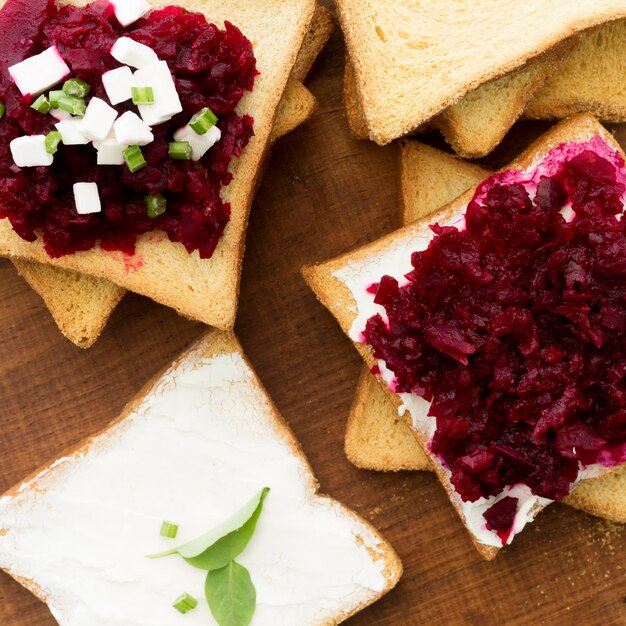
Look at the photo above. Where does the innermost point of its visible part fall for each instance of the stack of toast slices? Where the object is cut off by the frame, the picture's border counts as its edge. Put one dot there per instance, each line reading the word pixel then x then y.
pixel 573 62
pixel 376 437
pixel 340 283
pixel 197 442
pixel 83 290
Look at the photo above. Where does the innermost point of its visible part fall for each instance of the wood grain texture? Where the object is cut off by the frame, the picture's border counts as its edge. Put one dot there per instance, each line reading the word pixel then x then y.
pixel 323 193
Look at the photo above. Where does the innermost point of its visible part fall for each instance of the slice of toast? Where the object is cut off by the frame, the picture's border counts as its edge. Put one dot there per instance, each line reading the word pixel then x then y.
pixel 592 79
pixel 335 283
pixel 413 60
pixel 195 444
pixel 376 437
pixel 80 304
pixel 205 289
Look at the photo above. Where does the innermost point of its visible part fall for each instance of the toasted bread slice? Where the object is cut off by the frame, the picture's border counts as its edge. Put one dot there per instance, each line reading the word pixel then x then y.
pixel 193 446
pixel 376 437
pixel 331 281
pixel 80 304
pixel 413 60
pixel 203 289
pixel 592 79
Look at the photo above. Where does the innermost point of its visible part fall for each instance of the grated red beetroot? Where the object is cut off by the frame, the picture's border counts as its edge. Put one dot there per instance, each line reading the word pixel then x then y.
pixel 515 330
pixel 211 67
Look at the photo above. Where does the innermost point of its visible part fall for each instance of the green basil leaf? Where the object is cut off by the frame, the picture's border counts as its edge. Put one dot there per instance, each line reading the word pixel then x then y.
pixel 221 545
pixel 231 595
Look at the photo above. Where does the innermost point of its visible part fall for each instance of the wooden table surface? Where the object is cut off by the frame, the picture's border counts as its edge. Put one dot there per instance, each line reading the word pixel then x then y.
pixel 323 194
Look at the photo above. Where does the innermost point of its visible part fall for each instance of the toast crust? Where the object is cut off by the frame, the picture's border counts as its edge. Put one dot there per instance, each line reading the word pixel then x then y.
pixel 215 343
pixel 336 296
pixel 206 290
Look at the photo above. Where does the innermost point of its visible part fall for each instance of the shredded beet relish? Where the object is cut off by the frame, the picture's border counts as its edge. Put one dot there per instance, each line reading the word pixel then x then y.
pixel 515 330
pixel 210 67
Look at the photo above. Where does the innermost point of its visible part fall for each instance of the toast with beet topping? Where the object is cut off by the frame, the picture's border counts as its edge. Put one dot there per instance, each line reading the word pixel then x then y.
pixel 204 289
pixel 413 60
pixel 547 443
pixel 81 304
pixel 376 436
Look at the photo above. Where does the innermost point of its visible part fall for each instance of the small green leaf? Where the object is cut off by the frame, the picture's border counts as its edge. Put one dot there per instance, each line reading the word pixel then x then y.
pixel 231 595
pixel 217 548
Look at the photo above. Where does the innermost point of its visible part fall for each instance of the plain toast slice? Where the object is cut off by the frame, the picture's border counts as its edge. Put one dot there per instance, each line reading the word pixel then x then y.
pixel 330 281
pixel 195 444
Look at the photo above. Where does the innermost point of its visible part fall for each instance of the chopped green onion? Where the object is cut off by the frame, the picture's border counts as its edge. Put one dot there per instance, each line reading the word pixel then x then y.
pixel 133 157
pixel 185 603
pixel 180 150
pixel 53 139
pixel 42 104
pixel 76 87
pixel 156 206
pixel 142 95
pixel 2 109
pixel 71 104
pixel 168 529
pixel 203 121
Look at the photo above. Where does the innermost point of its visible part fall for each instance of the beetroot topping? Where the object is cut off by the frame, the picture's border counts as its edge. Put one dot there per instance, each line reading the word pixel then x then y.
pixel 515 330
pixel 210 67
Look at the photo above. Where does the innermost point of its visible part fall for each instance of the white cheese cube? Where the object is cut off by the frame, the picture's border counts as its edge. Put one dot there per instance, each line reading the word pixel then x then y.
pixel 31 151
pixel 98 119
pixel 200 144
pixel 60 114
pixel 130 52
pixel 87 198
pixel 110 152
pixel 40 72
pixel 129 11
pixel 166 101
pixel 131 130
pixel 71 133
pixel 117 83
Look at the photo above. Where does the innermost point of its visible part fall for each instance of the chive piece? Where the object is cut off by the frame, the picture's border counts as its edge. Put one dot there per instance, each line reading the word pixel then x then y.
pixel 168 529
pixel 71 104
pixel 156 206
pixel 42 104
pixel 53 139
pixel 203 121
pixel 185 603
pixel 2 110
pixel 54 96
pixel 180 150
pixel 133 157
pixel 76 87
pixel 142 95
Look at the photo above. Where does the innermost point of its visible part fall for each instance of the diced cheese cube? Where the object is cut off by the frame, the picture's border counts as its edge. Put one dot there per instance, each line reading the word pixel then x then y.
pixel 131 130
pixel 117 83
pixel 87 198
pixel 129 11
pixel 71 133
pixel 31 151
pixel 130 52
pixel 98 119
pixel 40 72
pixel 166 101
pixel 60 114
pixel 200 144
pixel 110 152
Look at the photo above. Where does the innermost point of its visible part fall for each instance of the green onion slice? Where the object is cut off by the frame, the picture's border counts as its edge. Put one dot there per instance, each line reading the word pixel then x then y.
pixel 2 109
pixel 203 121
pixel 156 205
pixel 53 139
pixel 185 603
pixel 168 529
pixel 180 150
pixel 133 157
pixel 42 104
pixel 76 87
pixel 142 95
pixel 71 104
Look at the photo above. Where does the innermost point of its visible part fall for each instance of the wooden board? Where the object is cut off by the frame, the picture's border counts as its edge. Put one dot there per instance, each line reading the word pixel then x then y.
pixel 323 194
